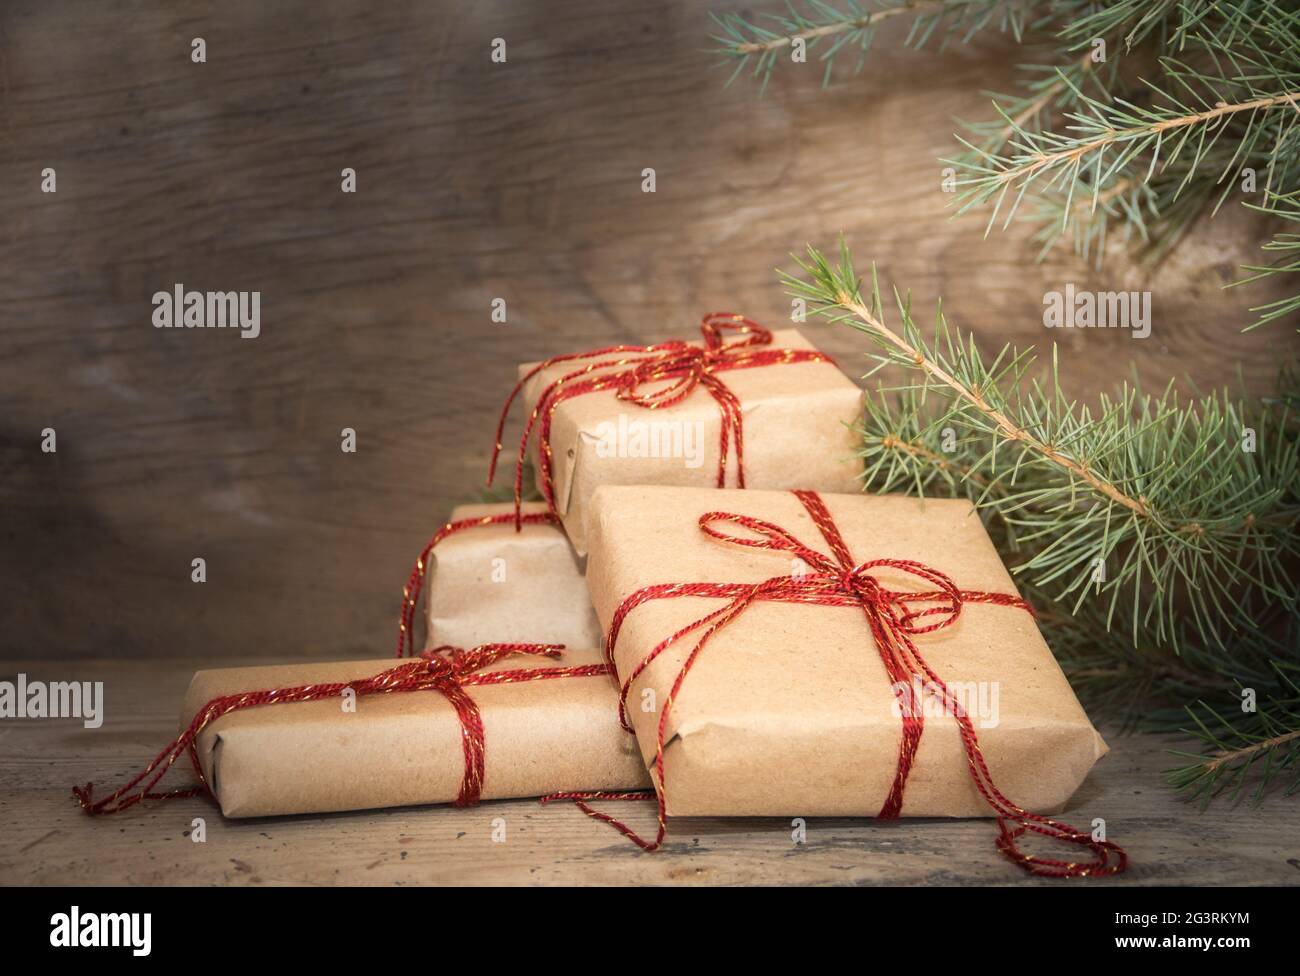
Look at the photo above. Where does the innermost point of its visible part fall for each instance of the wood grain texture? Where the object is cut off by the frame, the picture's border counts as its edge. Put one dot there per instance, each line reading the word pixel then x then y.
pixel 476 180
pixel 46 839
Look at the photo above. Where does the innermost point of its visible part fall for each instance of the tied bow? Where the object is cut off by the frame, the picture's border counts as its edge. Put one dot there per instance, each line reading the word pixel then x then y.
pixel 631 372
pixel 894 618
pixel 446 670
pixel 689 365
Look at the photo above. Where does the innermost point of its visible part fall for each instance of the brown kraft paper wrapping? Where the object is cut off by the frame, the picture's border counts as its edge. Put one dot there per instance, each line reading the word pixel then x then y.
pixel 400 749
pixel 490 583
pixel 788 710
pixel 797 420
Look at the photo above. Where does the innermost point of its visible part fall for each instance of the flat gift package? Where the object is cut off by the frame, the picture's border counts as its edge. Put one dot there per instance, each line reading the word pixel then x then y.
pixel 537 735
pixel 789 707
pixel 744 407
pixel 491 583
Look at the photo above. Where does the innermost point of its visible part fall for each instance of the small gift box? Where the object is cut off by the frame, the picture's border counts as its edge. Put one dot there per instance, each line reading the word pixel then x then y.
pixel 743 407
pixel 787 653
pixel 456 726
pixel 491 583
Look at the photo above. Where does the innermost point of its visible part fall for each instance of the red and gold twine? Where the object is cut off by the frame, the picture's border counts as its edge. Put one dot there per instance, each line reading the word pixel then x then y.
pixel 630 370
pixel 894 617
pixel 449 671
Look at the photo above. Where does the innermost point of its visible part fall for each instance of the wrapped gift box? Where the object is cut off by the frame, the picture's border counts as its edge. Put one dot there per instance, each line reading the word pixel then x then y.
pixel 491 583
pixel 789 709
pixel 406 748
pixel 797 420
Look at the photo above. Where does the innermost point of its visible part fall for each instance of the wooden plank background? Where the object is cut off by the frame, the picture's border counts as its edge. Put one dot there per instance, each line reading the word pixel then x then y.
pixel 476 180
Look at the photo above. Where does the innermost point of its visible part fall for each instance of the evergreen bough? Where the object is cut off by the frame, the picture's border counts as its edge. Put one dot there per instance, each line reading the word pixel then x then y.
pixel 1145 116
pixel 1156 533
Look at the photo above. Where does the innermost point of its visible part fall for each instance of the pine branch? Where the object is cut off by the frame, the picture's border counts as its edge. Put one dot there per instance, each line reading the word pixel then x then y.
pixel 1172 22
pixel 1086 147
pixel 1230 766
pixel 1285 244
pixel 1231 101
pixel 848 298
pixel 906 446
pixel 1207 549
pixel 1051 91
pixel 1129 130
pixel 1138 680
pixel 1147 505
pixel 1253 739
pixel 853 27
pixel 1133 20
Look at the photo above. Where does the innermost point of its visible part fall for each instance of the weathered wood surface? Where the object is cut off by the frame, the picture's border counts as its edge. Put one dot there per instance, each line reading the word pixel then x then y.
pixel 45 838
pixel 476 180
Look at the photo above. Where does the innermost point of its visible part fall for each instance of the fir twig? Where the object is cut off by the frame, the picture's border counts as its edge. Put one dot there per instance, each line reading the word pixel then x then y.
pixel 834 30
pixel 1152 148
pixel 1151 505
pixel 1201 532
pixel 1286 245
pixel 1252 740
pixel 1158 157
pixel 1129 130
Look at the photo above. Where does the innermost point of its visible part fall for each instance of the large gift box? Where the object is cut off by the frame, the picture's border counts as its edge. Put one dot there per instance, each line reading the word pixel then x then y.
pixel 789 708
pixel 794 426
pixel 492 583
pixel 537 735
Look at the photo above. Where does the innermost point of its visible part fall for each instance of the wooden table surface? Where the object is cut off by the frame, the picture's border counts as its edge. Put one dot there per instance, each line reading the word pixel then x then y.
pixel 46 839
